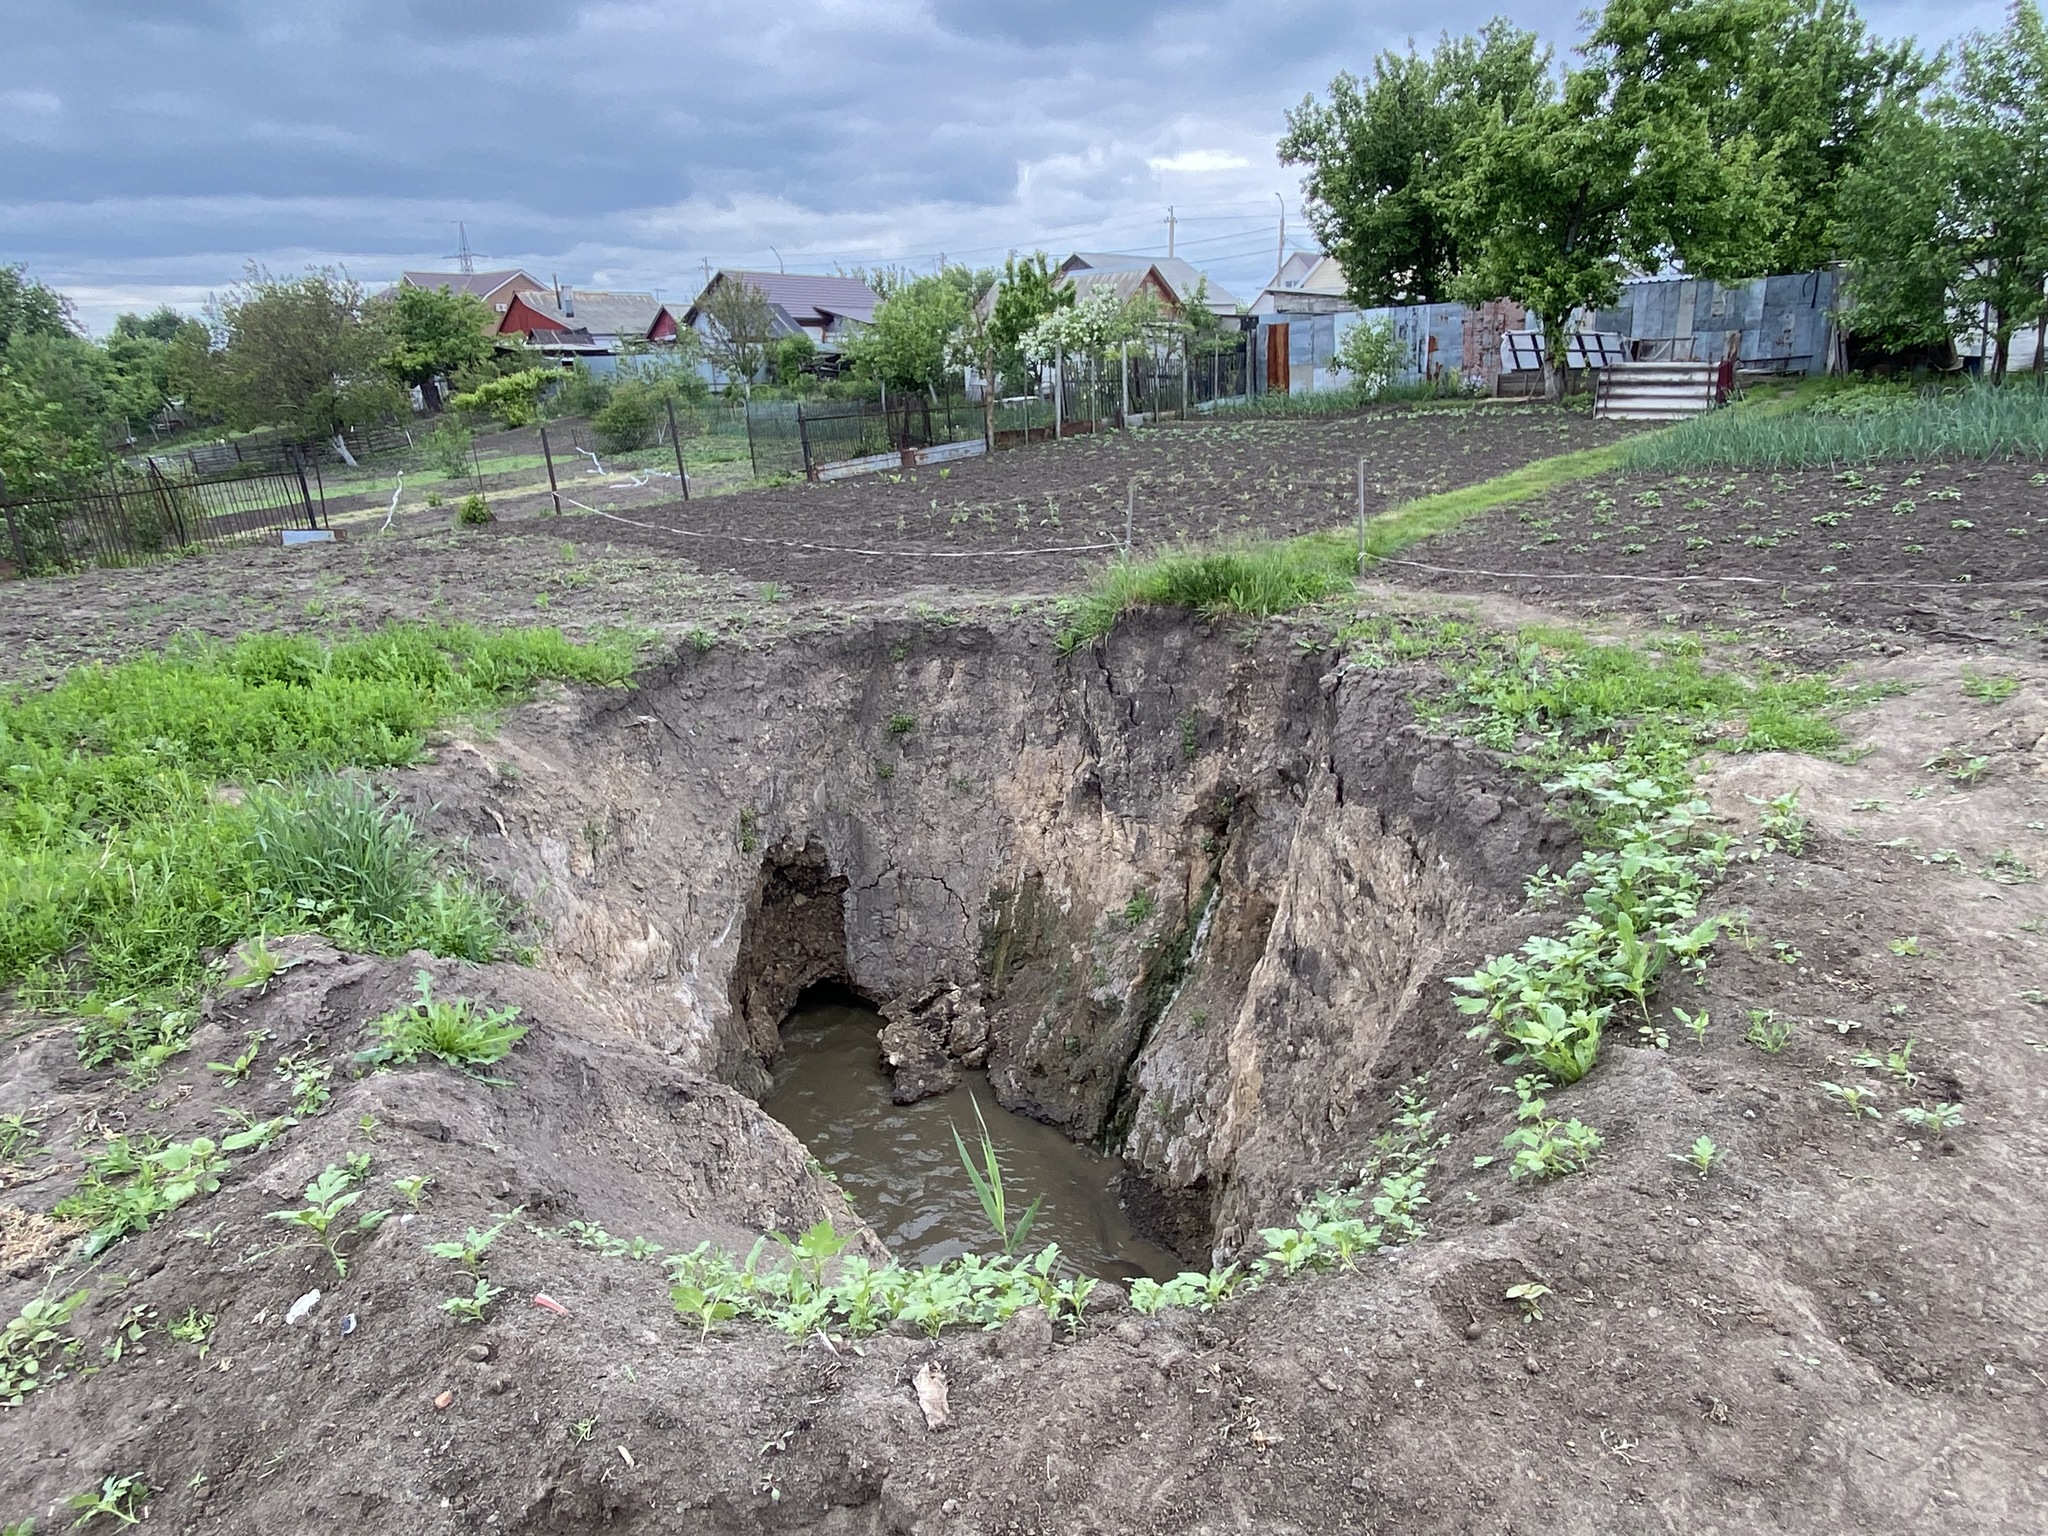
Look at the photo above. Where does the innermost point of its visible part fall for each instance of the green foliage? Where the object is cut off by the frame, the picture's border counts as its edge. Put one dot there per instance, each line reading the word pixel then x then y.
pixel 1701 1155
pixel 29 307
pixel 1372 354
pixel 1384 152
pixel 988 1189
pixel 905 344
pixel 739 329
pixel 579 392
pixel 130 1182
pixel 511 399
pixel 1789 91
pixel 1027 292
pixel 121 866
pixel 432 333
pixel 1933 1122
pixel 328 1200
pixel 299 355
pixel 1946 221
pixel 1936 426
pixel 636 410
pixel 473 511
pixel 469 1249
pixel 470 1308
pixel 448 448
pixel 457 1031
pixel 121 1497
pixel 796 358
pixel 1255 579
pixel 33 1345
pixel 1541 1146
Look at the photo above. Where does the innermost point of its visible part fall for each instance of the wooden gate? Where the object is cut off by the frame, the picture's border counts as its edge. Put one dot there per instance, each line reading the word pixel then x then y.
pixel 1276 360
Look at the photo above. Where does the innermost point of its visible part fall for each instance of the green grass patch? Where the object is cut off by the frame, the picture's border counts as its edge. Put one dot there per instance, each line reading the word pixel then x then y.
pixel 1855 425
pixel 155 812
pixel 1393 531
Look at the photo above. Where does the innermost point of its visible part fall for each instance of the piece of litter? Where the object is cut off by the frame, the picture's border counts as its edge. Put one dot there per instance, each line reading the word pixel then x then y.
pixel 548 1303
pixel 444 1399
pixel 930 1385
pixel 348 1325
pixel 294 538
pixel 298 1310
pixel 627 1457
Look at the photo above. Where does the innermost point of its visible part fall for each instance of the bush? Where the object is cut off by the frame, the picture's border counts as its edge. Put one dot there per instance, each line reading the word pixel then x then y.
pixel 628 420
pixel 474 511
pixel 512 400
pixel 1372 354
pixel 448 447
pixel 579 392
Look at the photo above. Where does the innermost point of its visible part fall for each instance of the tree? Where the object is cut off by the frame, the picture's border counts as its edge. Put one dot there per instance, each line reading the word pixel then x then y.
pixel 298 354
pixel 740 325
pixel 161 324
pixel 29 308
pixel 1091 326
pixel 1947 221
pixel 430 334
pixel 904 345
pixel 1026 293
pixel 1372 353
pixel 512 399
pixel 1383 152
pixel 796 359
pixel 1792 90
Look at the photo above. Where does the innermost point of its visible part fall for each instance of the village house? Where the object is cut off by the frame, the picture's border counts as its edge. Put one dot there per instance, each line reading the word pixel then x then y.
pixel 590 326
pixel 496 289
pixel 826 309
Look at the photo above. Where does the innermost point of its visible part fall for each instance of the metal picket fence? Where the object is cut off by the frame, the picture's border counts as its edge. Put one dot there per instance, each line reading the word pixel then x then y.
pixel 137 516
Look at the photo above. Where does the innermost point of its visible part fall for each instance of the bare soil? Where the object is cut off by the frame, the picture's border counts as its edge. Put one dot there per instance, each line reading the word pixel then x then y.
pixel 1953 552
pixel 1840 1328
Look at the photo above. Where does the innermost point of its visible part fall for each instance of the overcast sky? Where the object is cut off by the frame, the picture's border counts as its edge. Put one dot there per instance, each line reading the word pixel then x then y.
pixel 149 148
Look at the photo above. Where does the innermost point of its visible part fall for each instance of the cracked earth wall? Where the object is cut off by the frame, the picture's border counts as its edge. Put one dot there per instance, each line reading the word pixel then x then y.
pixel 1196 883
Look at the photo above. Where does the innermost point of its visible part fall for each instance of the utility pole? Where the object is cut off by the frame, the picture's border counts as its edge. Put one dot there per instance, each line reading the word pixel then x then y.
pixel 1281 260
pixel 1169 231
pixel 464 256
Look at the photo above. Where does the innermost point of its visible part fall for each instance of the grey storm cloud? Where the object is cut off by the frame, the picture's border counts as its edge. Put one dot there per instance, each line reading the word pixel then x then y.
pixel 148 149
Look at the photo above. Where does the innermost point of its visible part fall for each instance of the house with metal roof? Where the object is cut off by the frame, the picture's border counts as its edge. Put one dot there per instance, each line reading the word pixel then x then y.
pixel 592 326
pixel 496 289
pixel 1177 279
pixel 826 309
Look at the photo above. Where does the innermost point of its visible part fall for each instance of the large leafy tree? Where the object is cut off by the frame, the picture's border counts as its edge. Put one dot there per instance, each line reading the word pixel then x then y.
pixel 905 344
pixel 1946 224
pixel 1789 90
pixel 31 308
pixel 299 355
pixel 1025 294
pixel 739 330
pixel 1383 153
pixel 431 334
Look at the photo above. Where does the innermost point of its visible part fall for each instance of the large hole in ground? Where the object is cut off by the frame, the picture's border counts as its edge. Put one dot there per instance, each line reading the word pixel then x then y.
pixel 1177 900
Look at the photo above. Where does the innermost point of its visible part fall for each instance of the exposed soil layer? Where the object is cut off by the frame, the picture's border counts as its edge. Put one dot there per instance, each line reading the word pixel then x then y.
pixel 694 575
pixel 1955 552
pixel 1839 1328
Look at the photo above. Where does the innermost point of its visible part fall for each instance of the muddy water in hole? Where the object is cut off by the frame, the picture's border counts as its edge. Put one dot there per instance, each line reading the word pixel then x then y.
pixel 898 1164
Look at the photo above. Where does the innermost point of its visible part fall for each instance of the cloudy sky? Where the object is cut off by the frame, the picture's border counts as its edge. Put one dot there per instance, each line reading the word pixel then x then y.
pixel 149 148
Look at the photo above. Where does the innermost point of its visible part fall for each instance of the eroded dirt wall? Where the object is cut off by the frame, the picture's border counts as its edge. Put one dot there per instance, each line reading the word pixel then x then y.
pixel 1196 881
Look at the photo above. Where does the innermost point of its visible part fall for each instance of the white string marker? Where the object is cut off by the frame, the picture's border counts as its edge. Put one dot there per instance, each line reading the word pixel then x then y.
pixel 392 510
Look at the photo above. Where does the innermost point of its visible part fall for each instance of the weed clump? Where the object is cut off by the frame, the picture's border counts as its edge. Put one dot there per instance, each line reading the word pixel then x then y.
pixel 474 511
pixel 457 1031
